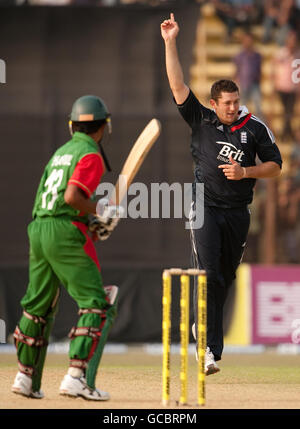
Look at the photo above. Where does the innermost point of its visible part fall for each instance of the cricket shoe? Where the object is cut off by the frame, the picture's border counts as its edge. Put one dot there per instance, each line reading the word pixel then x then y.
pixel 74 387
pixel 210 364
pixel 23 386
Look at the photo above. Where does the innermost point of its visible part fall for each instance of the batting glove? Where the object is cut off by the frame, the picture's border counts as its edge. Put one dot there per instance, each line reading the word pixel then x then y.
pixel 107 218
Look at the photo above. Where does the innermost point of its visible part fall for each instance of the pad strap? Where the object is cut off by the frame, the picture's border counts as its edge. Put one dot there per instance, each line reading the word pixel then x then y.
pixel 35 319
pixel 29 341
pixel 91 310
pixel 79 363
pixel 25 369
pixel 88 331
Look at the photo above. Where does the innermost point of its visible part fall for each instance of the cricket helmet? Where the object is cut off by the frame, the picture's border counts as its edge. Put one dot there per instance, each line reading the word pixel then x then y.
pixel 89 108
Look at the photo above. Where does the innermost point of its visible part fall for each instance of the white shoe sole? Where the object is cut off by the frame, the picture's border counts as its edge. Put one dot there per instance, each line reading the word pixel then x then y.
pixel 69 394
pixel 32 395
pixel 18 391
pixel 37 395
pixel 78 395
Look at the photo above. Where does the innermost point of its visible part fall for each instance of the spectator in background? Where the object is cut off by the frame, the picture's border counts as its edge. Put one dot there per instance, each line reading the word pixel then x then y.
pixel 277 14
pixel 235 13
pixel 254 248
pixel 289 205
pixel 288 218
pixel 295 17
pixel 248 73
pixel 283 84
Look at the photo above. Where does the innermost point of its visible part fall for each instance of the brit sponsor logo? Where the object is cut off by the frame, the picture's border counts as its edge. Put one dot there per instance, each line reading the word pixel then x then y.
pixel 228 149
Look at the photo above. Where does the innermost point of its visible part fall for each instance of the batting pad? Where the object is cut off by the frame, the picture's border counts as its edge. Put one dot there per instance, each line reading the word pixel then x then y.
pixel 111 312
pixel 50 318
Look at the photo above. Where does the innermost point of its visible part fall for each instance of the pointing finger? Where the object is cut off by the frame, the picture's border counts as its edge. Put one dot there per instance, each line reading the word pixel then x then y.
pixel 167 22
pixel 172 16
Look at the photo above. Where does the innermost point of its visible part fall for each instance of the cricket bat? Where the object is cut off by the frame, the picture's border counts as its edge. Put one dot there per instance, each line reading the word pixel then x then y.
pixel 136 157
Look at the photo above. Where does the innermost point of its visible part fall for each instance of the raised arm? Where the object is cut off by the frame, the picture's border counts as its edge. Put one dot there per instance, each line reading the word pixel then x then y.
pixel 169 31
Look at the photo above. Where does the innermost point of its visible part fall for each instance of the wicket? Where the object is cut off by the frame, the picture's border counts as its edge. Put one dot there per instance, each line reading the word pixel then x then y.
pixel 184 332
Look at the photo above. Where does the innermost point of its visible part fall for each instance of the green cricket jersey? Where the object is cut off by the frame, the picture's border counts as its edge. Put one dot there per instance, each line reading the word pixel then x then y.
pixel 78 162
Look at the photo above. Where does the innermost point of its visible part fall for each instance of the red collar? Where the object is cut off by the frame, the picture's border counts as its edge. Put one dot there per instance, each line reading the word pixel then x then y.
pixel 237 127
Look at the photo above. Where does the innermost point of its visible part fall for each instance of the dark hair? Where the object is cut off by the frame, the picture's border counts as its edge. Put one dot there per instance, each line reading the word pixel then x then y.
pixel 223 85
pixel 87 127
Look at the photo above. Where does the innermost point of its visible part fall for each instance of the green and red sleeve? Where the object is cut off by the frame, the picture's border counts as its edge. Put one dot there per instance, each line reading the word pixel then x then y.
pixel 88 173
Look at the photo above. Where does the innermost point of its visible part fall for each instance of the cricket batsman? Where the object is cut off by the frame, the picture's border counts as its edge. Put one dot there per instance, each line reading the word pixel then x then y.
pixel 62 252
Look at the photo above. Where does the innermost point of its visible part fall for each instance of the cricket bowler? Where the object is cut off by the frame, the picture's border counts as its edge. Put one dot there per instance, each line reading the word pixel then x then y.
pixel 62 252
pixel 225 141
